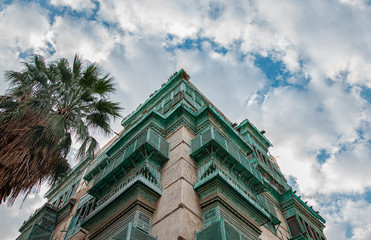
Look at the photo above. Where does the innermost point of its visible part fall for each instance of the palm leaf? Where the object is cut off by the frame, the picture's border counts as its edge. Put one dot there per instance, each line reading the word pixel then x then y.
pixel 43 108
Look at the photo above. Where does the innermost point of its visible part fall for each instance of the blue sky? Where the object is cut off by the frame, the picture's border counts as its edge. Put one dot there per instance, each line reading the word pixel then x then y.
pixel 298 69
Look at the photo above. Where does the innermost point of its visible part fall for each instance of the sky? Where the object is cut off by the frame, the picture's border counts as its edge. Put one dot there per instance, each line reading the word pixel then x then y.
pixel 300 70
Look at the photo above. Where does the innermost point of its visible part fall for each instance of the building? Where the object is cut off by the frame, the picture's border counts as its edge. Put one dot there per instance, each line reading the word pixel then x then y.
pixel 179 170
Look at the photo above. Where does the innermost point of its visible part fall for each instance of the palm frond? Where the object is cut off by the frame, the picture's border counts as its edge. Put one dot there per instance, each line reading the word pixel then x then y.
pixel 64 71
pixel 59 171
pixel 104 86
pixel 99 123
pixel 43 108
pixel 77 65
pixel 90 75
pixel 104 106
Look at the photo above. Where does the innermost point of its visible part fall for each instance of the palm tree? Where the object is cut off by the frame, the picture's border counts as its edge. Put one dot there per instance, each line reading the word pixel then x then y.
pixel 45 108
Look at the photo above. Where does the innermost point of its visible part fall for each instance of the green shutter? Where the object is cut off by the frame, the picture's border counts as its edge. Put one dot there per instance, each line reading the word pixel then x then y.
pixel 142 221
pixel 210 216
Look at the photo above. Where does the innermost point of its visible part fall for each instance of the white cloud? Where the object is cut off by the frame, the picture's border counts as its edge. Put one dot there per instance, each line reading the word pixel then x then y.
pixel 301 122
pixel 90 39
pixel 78 5
pixel 343 214
pixel 329 37
pixel 362 4
pixel 25 34
pixel 18 36
pixel 320 33
pixel 154 17
pixel 349 171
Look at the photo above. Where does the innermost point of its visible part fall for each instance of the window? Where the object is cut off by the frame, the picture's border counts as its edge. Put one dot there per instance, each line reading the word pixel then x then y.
pixel 85 207
pixel 294 226
pixel 66 195
pixel 309 231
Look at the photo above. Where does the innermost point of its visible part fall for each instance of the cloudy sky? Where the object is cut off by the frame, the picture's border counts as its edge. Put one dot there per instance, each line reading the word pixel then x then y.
pixel 301 70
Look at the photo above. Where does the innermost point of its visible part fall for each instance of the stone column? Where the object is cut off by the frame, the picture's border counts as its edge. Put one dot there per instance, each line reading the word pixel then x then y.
pixel 178 214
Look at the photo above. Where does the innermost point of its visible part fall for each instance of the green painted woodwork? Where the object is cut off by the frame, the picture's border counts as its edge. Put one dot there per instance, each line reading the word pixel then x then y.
pixel 299 230
pixel 148 143
pixel 301 219
pixel 253 134
pixel 137 187
pixel 144 175
pixel 120 204
pixel 218 212
pixel 85 206
pixel 133 233
pixel 273 178
pixel 149 103
pixel 181 94
pixel 308 208
pixel 216 174
pixel 218 159
pixel 145 170
pixel 269 207
pixel 271 175
pixel 228 151
pixel 148 146
pixel 220 230
pixel 210 216
pixel 40 225
pixel 96 166
pixel 290 199
pixel 39 232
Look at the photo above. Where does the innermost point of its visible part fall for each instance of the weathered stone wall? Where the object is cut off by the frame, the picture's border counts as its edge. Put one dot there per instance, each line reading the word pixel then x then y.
pixel 178 214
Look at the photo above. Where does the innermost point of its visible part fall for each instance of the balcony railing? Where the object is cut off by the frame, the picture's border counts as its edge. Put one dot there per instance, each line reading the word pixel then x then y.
pixel 148 145
pixel 216 173
pixel 95 167
pixel 126 184
pixel 131 232
pixel 122 188
pixel 220 230
pixel 228 151
pixel 47 210
pixel 149 140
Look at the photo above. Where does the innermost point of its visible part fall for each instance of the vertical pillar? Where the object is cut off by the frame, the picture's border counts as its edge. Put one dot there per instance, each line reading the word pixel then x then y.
pixel 178 214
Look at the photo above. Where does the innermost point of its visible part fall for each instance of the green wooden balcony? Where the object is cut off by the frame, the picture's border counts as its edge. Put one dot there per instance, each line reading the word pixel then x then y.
pixel 269 207
pixel 41 224
pixel 294 204
pixel 125 185
pixel 119 191
pixel 271 172
pixel 212 141
pixel 39 232
pixel 147 145
pixel 95 167
pixel 133 233
pixel 220 230
pixel 216 174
